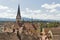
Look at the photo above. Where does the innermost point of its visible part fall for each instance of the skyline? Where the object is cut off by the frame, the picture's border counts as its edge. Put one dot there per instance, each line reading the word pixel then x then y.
pixel 36 9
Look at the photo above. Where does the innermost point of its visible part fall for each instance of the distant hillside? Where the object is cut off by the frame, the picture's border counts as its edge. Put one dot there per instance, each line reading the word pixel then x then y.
pixel 6 19
pixel 26 19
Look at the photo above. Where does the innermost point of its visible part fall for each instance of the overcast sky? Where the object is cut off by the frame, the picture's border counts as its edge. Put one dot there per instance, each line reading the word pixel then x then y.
pixel 36 9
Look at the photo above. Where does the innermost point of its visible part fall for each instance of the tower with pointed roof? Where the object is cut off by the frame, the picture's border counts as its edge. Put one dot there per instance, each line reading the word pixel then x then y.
pixel 18 17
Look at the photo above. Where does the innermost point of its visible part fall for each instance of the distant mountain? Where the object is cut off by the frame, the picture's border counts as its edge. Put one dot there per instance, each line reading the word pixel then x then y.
pixel 26 19
pixel 6 19
pixel 47 20
pixel 9 19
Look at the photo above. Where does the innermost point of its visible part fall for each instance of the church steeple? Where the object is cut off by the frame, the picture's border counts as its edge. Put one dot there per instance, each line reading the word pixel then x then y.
pixel 18 13
pixel 18 17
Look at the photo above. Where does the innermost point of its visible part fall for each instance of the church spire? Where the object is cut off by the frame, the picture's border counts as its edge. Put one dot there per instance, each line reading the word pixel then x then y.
pixel 18 17
pixel 18 13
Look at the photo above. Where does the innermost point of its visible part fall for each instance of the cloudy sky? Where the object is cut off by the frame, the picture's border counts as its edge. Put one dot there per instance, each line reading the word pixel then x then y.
pixel 36 9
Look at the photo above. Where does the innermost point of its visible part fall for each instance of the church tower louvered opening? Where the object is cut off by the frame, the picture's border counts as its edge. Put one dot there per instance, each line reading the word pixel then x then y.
pixel 18 17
